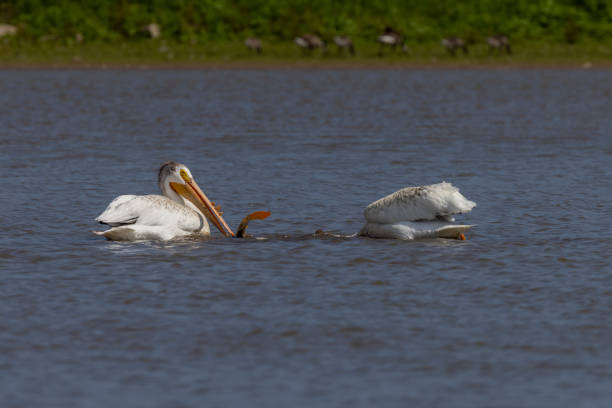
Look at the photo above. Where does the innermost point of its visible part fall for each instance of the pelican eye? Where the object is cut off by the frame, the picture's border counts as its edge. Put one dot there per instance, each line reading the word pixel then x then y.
pixel 185 176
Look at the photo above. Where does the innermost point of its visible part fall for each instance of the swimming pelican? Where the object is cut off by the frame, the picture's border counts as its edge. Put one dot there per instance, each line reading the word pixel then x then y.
pixel 418 212
pixel 182 209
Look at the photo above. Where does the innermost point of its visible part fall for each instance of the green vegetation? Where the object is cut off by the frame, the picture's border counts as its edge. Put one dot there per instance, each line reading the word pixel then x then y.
pixel 418 20
pixel 203 30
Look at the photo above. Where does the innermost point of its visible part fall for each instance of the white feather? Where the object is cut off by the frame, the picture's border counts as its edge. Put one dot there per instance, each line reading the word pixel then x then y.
pixel 417 212
pixel 440 200
pixel 150 217
pixel 387 39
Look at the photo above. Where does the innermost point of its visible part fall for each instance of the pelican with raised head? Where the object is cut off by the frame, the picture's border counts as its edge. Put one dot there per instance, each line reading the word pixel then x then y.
pixel 418 212
pixel 182 209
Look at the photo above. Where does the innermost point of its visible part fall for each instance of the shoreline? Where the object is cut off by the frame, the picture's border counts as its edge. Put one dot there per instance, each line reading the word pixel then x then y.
pixel 159 54
pixel 310 64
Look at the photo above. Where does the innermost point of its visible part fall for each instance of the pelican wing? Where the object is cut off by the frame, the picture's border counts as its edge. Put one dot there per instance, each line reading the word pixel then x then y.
pixel 436 201
pixel 150 210
pixel 119 212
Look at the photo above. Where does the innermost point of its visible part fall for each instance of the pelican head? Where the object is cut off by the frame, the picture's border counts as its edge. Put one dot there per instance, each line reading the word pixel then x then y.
pixel 177 183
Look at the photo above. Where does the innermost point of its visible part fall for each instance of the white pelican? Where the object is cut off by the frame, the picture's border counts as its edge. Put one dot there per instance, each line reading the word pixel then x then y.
pixel 182 210
pixel 417 212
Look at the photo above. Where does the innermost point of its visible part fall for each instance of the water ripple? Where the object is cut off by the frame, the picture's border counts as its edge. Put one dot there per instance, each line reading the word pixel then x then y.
pixel 307 313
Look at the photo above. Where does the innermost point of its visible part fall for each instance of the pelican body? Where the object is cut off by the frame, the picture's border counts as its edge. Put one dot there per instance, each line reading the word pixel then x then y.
pixel 182 209
pixel 417 212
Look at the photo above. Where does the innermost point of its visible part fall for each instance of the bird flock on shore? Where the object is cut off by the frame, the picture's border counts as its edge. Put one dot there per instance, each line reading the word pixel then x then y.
pixel 388 39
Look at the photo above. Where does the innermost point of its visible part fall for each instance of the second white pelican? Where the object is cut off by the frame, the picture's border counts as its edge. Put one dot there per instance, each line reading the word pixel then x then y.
pixel 418 212
pixel 182 210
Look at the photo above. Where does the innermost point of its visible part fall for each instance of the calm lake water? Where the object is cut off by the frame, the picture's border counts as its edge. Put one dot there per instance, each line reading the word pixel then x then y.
pixel 519 315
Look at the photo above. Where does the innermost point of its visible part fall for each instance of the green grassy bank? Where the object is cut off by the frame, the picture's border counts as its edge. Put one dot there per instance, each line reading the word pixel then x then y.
pixel 213 20
pixel 164 53
pixel 201 32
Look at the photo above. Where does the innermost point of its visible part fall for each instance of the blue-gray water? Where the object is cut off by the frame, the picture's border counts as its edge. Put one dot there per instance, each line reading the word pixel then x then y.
pixel 519 315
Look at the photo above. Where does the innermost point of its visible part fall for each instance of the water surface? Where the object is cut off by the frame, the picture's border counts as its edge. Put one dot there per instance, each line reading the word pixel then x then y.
pixel 517 315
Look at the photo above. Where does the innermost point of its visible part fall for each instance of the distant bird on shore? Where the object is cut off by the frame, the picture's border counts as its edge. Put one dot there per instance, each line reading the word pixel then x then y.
pixel 344 42
pixel 254 44
pixel 391 38
pixel 7 29
pixel 152 30
pixel 452 44
pixel 499 44
pixel 309 42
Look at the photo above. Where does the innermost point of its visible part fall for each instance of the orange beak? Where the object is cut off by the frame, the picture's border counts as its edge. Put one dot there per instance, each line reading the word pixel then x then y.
pixel 193 193
pixel 215 217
